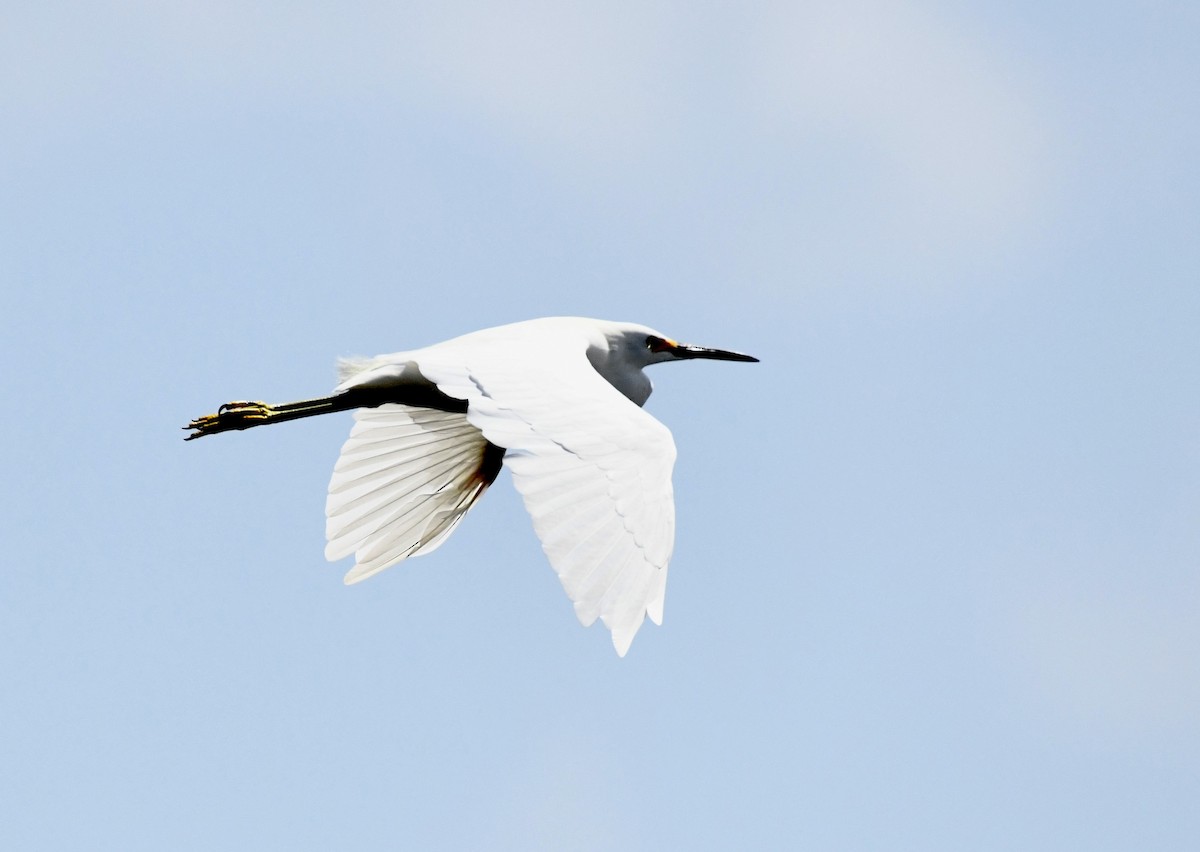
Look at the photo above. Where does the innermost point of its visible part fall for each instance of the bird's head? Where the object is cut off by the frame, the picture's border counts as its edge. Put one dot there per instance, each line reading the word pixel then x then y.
pixel 658 349
pixel 640 346
pixel 622 350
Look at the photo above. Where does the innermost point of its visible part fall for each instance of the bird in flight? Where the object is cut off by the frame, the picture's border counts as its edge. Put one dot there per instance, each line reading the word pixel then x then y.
pixel 559 401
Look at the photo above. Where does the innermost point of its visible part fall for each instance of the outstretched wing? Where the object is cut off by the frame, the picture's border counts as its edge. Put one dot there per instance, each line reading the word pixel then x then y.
pixel 405 478
pixel 594 470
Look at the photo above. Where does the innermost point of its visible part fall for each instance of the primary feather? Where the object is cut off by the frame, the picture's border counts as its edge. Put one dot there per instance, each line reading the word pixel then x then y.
pixel 405 478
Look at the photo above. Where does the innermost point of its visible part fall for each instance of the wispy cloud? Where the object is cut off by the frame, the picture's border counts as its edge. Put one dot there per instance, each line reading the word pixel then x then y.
pixel 951 130
pixel 709 105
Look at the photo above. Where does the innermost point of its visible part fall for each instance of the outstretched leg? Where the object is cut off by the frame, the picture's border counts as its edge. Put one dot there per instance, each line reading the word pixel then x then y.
pixel 246 415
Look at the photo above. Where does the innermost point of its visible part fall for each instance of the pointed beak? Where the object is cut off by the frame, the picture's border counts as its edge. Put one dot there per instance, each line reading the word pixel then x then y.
pixel 683 350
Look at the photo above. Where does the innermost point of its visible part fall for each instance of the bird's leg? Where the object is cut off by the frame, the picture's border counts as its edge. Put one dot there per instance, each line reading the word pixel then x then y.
pixel 245 415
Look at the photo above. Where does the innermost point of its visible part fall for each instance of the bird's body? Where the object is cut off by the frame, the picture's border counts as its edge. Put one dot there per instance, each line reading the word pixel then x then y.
pixel 559 401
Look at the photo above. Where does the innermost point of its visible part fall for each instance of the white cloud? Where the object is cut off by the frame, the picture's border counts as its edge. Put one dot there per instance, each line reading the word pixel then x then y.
pixel 950 130
pixel 585 82
pixel 934 144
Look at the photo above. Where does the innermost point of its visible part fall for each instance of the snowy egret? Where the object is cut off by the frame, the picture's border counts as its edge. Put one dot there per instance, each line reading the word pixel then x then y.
pixel 559 401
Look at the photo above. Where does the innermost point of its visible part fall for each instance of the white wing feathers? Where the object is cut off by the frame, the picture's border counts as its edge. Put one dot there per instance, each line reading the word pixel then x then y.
pixel 405 478
pixel 594 470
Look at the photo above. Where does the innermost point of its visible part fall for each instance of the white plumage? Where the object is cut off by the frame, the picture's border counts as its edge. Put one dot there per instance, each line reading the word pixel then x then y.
pixel 404 480
pixel 558 400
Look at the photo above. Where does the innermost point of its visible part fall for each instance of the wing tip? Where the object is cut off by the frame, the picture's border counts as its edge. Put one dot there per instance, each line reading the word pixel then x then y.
pixel 624 630
pixel 361 572
pixel 622 640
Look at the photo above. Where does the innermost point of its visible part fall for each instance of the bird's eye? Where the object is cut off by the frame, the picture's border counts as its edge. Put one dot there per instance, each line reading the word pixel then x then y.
pixel 657 344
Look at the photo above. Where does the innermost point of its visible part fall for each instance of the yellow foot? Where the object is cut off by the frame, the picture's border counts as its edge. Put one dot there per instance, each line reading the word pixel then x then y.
pixel 231 415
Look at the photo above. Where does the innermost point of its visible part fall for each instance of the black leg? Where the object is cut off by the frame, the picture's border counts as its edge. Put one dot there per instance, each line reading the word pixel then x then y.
pixel 246 415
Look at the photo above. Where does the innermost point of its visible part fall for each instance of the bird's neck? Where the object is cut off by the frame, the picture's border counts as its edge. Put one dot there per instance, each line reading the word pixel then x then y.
pixel 621 373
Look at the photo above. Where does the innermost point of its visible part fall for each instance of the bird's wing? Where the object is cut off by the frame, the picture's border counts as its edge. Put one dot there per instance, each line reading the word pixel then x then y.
pixel 594 470
pixel 405 478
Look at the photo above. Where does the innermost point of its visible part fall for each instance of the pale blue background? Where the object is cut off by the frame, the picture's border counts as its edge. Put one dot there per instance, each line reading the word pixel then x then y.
pixel 936 584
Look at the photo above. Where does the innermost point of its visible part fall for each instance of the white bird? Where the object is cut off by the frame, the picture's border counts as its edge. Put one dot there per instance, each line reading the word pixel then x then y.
pixel 559 401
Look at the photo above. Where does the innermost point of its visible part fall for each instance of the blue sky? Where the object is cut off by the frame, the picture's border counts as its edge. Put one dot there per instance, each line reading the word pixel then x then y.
pixel 936 576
